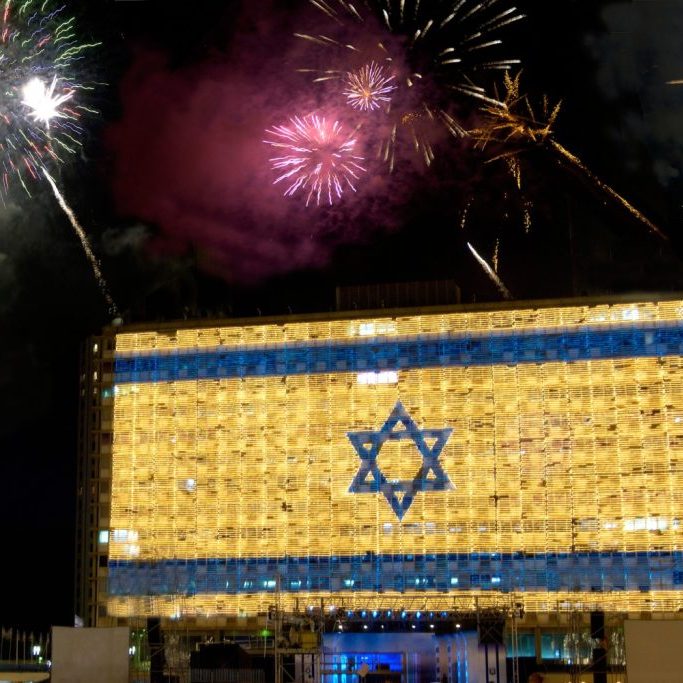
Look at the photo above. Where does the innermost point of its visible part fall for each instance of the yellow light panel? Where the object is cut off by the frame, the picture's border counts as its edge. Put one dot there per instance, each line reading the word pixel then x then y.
pixel 556 470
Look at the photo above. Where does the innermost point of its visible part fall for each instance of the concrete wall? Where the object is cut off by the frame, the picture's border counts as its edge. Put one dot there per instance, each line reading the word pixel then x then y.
pixel 654 651
pixel 86 655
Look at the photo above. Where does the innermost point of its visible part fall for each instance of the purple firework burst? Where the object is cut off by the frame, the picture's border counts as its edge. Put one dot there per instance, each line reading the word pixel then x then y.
pixel 316 156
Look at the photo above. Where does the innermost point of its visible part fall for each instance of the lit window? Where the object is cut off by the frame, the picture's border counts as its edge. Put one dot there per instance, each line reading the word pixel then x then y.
pixel 370 329
pixel 383 377
pixel 646 524
pixel 124 535
pixel 95 348
pixel 103 536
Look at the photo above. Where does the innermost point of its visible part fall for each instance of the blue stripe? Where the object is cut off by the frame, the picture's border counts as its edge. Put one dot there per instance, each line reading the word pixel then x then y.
pixel 404 353
pixel 590 572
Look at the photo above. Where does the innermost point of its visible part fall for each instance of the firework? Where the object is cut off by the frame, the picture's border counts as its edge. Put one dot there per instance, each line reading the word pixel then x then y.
pixel 40 114
pixel 491 273
pixel 369 87
pixel 42 102
pixel 433 49
pixel 315 156
pixel 516 125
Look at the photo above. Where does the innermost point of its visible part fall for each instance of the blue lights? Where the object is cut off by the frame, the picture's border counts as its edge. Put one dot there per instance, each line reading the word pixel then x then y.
pixel 344 664
pixel 368 445
pixel 608 571
pixel 626 341
pixel 435 573
pixel 403 621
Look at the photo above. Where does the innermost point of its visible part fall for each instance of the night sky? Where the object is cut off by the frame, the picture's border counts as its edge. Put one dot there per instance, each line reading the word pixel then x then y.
pixel 173 188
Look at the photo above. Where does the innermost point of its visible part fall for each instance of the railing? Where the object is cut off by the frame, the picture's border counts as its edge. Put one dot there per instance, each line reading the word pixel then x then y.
pixel 21 666
pixel 23 651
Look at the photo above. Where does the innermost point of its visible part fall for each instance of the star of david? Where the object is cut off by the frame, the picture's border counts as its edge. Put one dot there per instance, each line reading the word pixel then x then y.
pixel 370 479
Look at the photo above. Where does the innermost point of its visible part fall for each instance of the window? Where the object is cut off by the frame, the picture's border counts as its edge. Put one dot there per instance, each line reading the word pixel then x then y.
pixel 526 645
pixel 383 377
pixel 552 645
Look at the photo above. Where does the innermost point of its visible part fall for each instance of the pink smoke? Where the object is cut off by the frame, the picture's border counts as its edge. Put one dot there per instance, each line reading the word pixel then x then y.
pixel 188 157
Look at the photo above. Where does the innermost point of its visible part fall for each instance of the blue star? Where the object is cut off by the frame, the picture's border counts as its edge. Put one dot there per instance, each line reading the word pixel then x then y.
pixel 368 445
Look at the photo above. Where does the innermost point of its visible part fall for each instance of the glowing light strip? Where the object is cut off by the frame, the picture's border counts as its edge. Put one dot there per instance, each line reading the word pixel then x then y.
pixel 177 606
pixel 518 571
pixel 424 351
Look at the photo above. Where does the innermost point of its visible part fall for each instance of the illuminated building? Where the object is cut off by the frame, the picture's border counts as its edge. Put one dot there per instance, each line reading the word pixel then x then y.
pixel 527 458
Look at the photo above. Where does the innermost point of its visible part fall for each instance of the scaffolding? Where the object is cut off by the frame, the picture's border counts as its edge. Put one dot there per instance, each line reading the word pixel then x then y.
pixel 594 649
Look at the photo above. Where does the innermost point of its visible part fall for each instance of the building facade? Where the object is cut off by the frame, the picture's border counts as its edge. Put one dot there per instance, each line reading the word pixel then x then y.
pixel 526 460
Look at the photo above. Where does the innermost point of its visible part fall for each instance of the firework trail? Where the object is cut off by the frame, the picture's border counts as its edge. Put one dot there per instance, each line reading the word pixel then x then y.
pixel 368 88
pixel 315 155
pixel 491 273
pixel 94 264
pixel 604 187
pixel 432 49
pixel 516 126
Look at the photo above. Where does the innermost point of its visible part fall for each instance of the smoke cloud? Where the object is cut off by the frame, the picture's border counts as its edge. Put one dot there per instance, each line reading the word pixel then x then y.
pixel 190 161
pixel 115 241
